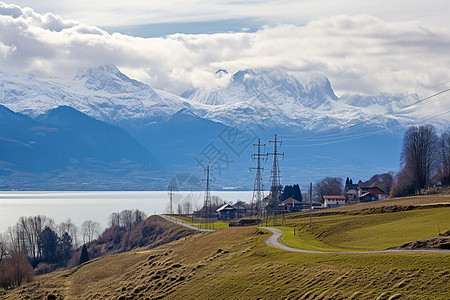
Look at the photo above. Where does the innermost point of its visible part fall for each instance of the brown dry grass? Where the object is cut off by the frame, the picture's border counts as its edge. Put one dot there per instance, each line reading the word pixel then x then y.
pixel 235 263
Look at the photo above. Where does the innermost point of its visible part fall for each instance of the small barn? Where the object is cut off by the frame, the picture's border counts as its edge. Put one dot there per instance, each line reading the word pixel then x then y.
pixel 330 201
pixel 291 205
pixel 226 212
pixel 245 222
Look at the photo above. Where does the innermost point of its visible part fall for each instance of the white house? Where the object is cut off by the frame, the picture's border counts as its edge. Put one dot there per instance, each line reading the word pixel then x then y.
pixel 330 201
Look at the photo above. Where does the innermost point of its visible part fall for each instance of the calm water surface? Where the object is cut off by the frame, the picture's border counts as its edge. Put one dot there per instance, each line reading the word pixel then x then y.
pixel 96 206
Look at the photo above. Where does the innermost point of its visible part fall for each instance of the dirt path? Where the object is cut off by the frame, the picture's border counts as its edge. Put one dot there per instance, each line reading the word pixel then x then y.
pixel 276 234
pixel 179 222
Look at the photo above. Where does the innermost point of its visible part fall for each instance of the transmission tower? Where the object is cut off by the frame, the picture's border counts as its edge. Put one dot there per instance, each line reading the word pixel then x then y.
pixel 258 193
pixel 171 201
pixel 207 216
pixel 273 208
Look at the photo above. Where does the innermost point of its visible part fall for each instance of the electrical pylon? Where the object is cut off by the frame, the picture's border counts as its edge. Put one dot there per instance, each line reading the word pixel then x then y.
pixel 171 201
pixel 207 216
pixel 258 187
pixel 273 208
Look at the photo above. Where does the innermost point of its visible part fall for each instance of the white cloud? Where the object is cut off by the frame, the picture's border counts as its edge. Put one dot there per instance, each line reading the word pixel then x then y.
pixel 135 12
pixel 360 54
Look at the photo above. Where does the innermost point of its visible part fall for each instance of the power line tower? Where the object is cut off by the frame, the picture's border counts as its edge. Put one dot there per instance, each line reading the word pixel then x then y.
pixel 273 207
pixel 171 200
pixel 207 216
pixel 258 193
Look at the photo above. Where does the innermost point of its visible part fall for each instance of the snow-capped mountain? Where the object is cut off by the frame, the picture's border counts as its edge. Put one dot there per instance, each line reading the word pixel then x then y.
pixel 277 98
pixel 179 132
pixel 271 98
pixel 103 93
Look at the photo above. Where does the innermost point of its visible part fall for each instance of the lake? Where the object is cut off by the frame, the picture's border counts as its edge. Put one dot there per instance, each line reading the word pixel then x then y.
pixel 97 205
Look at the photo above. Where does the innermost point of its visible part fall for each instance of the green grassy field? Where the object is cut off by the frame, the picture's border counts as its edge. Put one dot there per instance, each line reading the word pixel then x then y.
pixel 376 231
pixel 197 224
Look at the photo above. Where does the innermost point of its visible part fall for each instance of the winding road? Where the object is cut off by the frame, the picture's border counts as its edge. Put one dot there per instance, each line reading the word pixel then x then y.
pixel 273 241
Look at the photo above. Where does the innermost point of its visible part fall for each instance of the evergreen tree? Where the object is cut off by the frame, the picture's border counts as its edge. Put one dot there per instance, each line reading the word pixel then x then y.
pixel 292 191
pixel 65 246
pixel 84 257
pixel 297 193
pixel 49 243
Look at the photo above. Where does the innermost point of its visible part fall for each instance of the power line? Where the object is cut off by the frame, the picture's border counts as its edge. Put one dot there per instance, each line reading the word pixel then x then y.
pixel 275 190
pixel 171 200
pixel 258 193
pixel 363 135
pixel 339 131
pixel 207 217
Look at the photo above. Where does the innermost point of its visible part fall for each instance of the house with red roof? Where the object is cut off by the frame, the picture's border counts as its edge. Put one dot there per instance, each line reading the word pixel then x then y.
pixel 330 201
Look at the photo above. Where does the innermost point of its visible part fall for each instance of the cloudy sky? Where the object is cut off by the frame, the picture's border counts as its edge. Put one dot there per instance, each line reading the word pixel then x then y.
pixel 364 47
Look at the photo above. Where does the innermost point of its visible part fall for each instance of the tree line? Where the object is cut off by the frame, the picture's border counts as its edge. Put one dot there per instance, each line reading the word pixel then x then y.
pixel 425 160
pixel 36 244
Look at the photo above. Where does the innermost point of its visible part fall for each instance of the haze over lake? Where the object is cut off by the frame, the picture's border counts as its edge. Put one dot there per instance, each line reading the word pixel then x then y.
pixel 96 205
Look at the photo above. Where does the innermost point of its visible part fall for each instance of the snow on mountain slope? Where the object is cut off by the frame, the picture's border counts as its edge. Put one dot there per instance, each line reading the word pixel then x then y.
pixel 278 87
pixel 103 93
pixel 255 97
pixel 278 98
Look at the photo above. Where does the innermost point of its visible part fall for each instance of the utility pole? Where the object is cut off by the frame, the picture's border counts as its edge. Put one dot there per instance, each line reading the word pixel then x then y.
pixel 207 213
pixel 275 189
pixel 310 204
pixel 258 193
pixel 171 200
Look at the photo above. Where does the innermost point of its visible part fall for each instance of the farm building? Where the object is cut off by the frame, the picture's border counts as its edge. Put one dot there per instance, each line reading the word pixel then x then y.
pixel 331 201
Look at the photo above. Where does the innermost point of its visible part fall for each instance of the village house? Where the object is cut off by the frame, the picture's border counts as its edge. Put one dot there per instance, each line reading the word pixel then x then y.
pixel 226 212
pixel 330 201
pixel 291 205
pixel 372 192
pixel 363 192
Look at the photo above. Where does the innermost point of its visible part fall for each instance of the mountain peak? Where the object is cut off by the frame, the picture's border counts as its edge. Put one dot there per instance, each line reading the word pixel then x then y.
pixel 320 86
pixel 88 72
pixel 108 78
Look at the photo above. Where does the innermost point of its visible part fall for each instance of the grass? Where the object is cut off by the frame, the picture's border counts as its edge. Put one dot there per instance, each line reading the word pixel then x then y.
pixel 362 232
pixel 304 239
pixel 235 263
pixel 404 201
pixel 196 223
pixel 365 227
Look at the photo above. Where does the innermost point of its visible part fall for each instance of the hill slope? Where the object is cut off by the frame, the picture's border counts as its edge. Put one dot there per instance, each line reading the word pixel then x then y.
pixel 236 263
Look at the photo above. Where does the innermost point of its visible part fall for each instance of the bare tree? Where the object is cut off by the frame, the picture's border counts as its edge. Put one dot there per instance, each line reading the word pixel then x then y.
pixel 71 229
pixel 90 231
pixel 216 201
pixel 328 186
pixel 17 239
pixel 127 219
pixel 420 154
pixel 187 207
pixel 383 181
pixel 114 220
pixel 139 216
pixel 3 246
pixel 14 270
pixel 445 159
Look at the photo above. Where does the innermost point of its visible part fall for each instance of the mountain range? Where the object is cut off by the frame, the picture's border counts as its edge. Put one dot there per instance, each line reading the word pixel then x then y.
pixel 123 134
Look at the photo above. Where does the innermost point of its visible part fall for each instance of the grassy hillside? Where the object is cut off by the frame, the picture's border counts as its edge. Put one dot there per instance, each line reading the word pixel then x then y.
pixel 235 263
pixel 366 230
pixel 404 201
